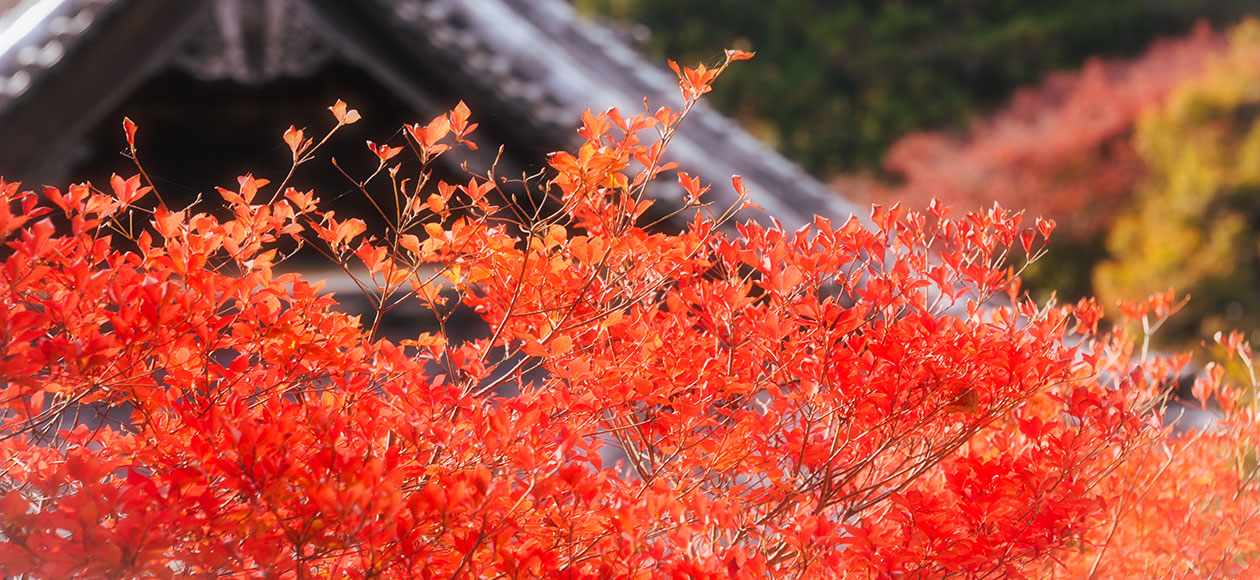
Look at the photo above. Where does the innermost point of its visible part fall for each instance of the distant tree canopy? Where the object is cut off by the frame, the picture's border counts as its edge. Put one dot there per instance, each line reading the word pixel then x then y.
pixel 1193 223
pixel 1152 165
pixel 1060 149
pixel 836 83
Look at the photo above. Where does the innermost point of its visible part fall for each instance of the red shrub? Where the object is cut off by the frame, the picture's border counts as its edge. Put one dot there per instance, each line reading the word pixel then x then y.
pixel 834 402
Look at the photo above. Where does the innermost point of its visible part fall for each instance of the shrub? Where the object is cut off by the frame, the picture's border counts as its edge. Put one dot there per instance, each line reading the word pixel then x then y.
pixel 834 402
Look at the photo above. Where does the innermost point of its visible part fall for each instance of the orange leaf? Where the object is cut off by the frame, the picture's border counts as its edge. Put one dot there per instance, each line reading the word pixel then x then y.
pixel 294 138
pixel 130 129
pixel 344 116
pixel 383 152
pixel 561 345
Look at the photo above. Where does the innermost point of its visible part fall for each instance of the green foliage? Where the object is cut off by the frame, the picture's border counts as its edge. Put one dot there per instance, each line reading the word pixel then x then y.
pixel 836 83
pixel 1194 225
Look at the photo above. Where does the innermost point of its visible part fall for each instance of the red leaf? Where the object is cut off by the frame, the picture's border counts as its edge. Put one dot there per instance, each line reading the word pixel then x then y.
pixel 128 191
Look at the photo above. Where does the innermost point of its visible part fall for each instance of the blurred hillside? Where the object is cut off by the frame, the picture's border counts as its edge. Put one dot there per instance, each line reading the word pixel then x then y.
pixel 1150 164
pixel 834 84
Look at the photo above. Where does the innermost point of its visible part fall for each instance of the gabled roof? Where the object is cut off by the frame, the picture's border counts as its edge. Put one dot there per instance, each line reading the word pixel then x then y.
pixel 65 64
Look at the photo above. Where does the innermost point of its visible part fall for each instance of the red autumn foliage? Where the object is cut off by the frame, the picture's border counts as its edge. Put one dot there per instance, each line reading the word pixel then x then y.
pixel 1060 150
pixel 837 402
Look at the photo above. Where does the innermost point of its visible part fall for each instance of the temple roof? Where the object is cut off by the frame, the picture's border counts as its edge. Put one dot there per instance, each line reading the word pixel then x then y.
pixel 66 64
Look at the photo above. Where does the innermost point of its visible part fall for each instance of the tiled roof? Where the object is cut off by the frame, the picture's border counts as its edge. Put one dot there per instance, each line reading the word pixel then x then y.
pixel 533 60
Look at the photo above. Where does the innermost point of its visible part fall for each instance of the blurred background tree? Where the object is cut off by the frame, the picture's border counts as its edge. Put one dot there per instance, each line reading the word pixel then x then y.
pixel 1195 221
pixel 836 83
pixel 1061 149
